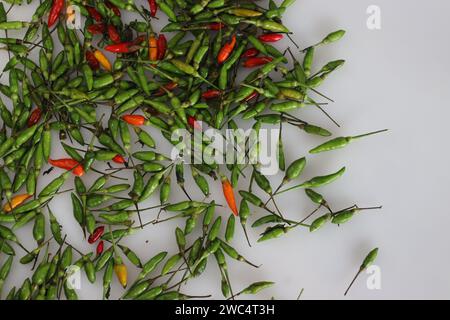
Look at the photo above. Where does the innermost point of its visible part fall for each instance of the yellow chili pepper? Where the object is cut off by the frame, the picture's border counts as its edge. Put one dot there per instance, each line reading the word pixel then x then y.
pixel 241 12
pixel 153 48
pixel 103 60
pixel 121 273
pixel 16 201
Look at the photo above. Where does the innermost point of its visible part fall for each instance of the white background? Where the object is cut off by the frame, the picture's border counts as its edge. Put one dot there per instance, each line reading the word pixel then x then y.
pixel 395 78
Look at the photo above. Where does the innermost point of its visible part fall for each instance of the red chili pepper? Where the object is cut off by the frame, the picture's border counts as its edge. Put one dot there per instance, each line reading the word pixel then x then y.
pixel 55 12
pixel 35 116
pixel 193 123
pixel 226 50
pixel 251 96
pixel 119 159
pixel 216 26
pixel 162 46
pixel 250 53
pixel 153 7
pixel 170 86
pixel 113 34
pixel 211 94
pixel 229 195
pixel 68 164
pixel 94 14
pixel 270 37
pixel 123 47
pixel 135 120
pixel 114 8
pixel 92 60
pixel 100 247
pixel 256 61
pixel 98 28
pixel 98 232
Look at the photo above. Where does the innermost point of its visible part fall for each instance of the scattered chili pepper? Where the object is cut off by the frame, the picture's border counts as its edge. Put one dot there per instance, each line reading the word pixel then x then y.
pixel 216 26
pixel 226 50
pixel 193 123
pixel 113 34
pixel 228 193
pixel 211 94
pixel 161 46
pixel 119 159
pixel 98 232
pixel 55 12
pixel 270 37
pixel 98 28
pixel 153 7
pixel 121 273
pixel 100 248
pixel 256 61
pixel 94 14
pixel 250 53
pixel 153 48
pixel 101 58
pixel 35 116
pixel 68 164
pixel 123 47
pixel 135 120
pixel 114 8
pixel 92 60
pixel 16 201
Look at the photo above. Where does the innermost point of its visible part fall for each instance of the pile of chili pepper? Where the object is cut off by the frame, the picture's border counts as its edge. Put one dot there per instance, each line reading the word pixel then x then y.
pixel 183 76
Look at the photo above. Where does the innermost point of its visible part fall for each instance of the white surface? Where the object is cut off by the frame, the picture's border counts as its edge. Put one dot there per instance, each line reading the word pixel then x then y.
pixel 395 78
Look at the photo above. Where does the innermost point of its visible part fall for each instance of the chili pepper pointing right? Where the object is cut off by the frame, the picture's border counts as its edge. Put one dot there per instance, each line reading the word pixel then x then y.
pixel 211 94
pixel 250 53
pixel 101 58
pixel 229 195
pixel 370 258
pixel 226 50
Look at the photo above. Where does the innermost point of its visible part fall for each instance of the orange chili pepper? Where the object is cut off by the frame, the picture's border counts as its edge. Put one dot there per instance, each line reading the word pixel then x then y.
pixel 229 195
pixel 16 201
pixel 226 50
pixel 135 120
pixel 153 48
pixel 121 273
pixel 34 118
pixel 119 159
pixel 68 164
pixel 104 62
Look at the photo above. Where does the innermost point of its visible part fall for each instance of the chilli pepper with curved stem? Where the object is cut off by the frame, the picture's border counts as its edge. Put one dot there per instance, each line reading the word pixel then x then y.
pixel 68 164
pixel 98 232
pixel 35 116
pixel 257 61
pixel 226 50
pixel 55 11
pixel 135 120
pixel 228 193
